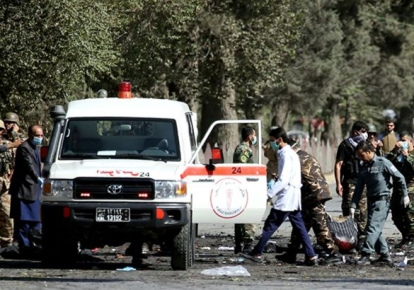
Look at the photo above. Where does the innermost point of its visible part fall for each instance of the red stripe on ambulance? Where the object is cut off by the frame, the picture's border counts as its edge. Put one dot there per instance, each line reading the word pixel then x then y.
pixel 224 170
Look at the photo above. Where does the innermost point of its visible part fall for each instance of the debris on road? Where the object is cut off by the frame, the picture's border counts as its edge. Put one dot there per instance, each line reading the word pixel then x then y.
pixel 227 271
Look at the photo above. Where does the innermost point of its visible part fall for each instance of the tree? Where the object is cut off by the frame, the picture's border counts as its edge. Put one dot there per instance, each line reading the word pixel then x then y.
pixel 51 49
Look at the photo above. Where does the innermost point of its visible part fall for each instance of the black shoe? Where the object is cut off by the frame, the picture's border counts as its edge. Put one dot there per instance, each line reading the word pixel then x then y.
pixel 252 256
pixel 237 249
pixel 364 260
pixel 405 243
pixel 331 259
pixel 248 247
pixel 384 259
pixel 289 258
pixel 312 262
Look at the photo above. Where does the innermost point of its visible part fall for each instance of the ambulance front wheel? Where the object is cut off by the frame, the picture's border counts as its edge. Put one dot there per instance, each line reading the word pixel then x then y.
pixel 183 248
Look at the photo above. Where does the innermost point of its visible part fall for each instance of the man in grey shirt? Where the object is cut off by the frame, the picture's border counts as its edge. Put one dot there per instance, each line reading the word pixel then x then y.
pixel 376 174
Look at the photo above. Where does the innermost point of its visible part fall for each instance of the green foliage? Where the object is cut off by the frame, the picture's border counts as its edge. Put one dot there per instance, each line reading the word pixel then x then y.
pixel 246 59
pixel 49 49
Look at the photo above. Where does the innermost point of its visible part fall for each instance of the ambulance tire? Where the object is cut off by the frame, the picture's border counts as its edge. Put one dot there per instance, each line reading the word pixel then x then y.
pixel 180 255
pixel 59 248
pixel 192 246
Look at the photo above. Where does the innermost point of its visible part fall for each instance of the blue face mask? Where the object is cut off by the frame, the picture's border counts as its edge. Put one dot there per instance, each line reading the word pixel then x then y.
pixel 37 141
pixel 274 145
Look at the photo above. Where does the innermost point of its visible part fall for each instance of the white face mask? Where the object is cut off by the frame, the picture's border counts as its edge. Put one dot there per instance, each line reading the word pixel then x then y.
pixel 365 135
pixel 254 140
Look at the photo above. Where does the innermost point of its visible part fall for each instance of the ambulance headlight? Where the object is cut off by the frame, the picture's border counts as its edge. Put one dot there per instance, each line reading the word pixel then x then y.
pixel 54 189
pixel 170 189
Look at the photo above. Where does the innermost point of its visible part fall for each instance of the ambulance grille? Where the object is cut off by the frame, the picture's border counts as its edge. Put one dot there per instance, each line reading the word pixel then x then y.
pixel 114 188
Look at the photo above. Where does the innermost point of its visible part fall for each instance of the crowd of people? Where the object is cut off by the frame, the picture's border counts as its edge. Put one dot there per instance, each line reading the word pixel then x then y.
pixel 374 173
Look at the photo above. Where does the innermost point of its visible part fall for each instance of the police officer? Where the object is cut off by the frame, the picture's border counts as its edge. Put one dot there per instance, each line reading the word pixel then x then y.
pixel 6 160
pixel 402 156
pixel 376 175
pixel 244 233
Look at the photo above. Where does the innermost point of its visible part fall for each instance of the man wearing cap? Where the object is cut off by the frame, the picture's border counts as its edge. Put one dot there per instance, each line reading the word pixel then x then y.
pixel 6 223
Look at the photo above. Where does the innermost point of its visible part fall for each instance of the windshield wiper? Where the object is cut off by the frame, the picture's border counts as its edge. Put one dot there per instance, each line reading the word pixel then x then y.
pixel 81 155
pixel 138 156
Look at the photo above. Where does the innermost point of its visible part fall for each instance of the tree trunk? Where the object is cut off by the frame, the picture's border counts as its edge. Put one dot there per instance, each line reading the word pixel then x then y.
pixel 335 130
pixel 281 115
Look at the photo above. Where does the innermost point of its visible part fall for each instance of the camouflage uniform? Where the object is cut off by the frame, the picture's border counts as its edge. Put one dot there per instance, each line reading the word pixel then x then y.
pixel 271 165
pixel 315 192
pixel 243 233
pixel 403 217
pixel 6 168
pixel 349 174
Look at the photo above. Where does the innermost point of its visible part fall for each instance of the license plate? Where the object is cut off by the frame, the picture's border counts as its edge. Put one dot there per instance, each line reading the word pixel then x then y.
pixel 112 214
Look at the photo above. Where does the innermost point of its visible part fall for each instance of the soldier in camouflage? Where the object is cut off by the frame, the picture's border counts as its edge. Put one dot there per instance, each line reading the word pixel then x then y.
pixel 6 169
pixel 315 193
pixel 402 156
pixel 11 121
pixel 244 233
pixel 270 154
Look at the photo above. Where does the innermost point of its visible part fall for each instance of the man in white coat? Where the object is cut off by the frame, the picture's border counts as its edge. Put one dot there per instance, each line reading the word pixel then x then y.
pixel 286 196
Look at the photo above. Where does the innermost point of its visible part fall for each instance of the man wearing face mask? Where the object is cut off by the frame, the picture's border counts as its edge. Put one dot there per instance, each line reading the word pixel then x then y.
pixel 244 233
pixel 25 190
pixel 286 196
pixel 347 167
pixel 402 156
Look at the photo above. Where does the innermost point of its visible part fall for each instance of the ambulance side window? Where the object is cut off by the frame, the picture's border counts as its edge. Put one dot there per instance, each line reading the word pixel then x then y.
pixel 191 130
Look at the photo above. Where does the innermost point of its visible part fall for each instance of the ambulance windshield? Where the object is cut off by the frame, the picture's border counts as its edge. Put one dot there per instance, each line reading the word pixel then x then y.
pixel 121 138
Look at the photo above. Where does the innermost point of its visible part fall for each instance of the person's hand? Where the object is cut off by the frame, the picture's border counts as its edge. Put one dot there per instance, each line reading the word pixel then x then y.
pixel 404 152
pixel 15 127
pixel 398 145
pixel 269 201
pixel 405 201
pixel 270 184
pixel 339 189
pixel 379 143
pixel 15 144
pixel 40 181
pixel 352 212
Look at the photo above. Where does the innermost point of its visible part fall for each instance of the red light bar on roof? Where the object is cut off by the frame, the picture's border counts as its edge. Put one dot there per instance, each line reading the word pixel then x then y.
pixel 124 91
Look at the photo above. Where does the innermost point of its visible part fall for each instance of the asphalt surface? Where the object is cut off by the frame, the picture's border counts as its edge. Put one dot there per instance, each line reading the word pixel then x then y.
pixel 103 272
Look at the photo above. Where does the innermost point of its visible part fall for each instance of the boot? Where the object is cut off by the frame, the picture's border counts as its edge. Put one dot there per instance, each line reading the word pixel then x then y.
pixel 364 260
pixel 288 257
pixel 384 259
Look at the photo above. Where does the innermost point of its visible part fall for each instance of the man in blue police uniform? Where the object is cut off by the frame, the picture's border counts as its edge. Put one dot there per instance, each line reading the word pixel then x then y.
pixel 376 175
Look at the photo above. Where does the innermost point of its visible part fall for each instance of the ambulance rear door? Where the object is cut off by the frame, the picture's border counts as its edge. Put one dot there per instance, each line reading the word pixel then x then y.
pixel 227 192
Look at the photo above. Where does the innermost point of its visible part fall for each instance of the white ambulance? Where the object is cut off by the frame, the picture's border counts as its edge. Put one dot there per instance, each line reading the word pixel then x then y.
pixel 123 169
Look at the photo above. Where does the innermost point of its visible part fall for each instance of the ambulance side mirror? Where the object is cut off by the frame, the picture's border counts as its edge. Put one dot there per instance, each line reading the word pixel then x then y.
pixel 43 153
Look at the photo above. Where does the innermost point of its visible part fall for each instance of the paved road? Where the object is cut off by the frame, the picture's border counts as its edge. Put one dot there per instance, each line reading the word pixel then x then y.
pixel 30 275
